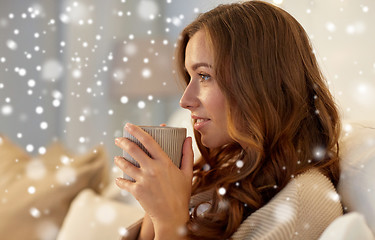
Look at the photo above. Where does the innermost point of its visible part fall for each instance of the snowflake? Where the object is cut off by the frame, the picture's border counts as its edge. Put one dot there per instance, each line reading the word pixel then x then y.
pixel 39 110
pixel 29 148
pixel 239 163
pixel 365 9
pixel 44 125
pixel 6 110
pixel 206 167
pixel 319 153
pixel 141 104
pixel 146 73
pixel 124 99
pixel 105 214
pixel 330 26
pixel 334 196
pixel 22 72
pixel 56 102
pixel 31 190
pixel 123 232
pixel 11 44
pixel 31 83
pixel 35 212
pixel 222 191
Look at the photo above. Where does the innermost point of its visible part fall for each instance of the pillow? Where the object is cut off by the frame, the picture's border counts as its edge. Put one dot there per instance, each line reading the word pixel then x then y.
pixel 95 217
pixel 36 192
pixel 113 192
pixel 356 186
pixel 348 227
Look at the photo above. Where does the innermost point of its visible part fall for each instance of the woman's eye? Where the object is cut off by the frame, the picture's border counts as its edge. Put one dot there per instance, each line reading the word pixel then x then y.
pixel 204 77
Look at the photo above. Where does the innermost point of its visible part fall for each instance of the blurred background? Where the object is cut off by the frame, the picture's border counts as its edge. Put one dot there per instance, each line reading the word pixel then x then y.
pixel 77 71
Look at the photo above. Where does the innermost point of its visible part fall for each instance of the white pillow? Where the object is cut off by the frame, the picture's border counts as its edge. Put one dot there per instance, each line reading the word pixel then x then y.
pixel 94 217
pixel 348 227
pixel 357 181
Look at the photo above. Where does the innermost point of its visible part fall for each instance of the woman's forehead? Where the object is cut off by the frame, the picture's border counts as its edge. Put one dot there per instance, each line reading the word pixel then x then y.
pixel 198 51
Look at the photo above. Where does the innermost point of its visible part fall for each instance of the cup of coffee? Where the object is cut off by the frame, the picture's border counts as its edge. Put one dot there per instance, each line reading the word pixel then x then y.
pixel 170 139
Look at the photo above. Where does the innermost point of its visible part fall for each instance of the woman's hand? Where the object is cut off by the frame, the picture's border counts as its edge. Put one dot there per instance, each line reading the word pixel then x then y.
pixel 161 188
pixel 147 229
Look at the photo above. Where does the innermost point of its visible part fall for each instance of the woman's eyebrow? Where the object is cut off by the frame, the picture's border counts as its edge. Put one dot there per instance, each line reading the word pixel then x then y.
pixel 202 64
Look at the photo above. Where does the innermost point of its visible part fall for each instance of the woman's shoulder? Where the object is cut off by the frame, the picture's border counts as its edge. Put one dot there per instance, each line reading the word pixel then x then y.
pixel 301 210
pixel 313 186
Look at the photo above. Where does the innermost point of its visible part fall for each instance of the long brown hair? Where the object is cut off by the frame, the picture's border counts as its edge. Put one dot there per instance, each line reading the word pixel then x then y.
pixel 279 108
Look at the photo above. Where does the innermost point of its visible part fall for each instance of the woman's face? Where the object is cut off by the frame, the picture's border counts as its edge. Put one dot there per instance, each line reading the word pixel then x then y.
pixel 203 96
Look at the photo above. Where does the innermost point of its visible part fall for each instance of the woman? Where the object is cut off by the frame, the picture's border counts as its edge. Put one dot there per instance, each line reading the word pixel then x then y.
pixel 266 126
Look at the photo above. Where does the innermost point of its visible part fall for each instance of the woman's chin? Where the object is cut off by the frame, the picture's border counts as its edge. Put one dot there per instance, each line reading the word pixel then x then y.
pixel 211 142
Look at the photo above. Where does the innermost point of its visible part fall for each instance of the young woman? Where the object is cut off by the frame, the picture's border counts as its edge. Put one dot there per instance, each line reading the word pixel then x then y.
pixel 266 126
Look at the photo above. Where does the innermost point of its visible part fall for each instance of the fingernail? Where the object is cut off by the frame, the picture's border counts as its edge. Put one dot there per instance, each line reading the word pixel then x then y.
pixel 117 140
pixel 128 125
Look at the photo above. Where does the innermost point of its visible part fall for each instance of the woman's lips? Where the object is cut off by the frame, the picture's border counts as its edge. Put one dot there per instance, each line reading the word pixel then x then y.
pixel 200 123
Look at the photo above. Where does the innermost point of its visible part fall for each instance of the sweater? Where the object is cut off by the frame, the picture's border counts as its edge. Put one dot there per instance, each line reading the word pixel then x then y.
pixel 303 209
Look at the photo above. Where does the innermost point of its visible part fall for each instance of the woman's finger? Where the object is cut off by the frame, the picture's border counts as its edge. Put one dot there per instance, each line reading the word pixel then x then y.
pixel 187 161
pixel 133 150
pixel 125 184
pixel 127 167
pixel 147 141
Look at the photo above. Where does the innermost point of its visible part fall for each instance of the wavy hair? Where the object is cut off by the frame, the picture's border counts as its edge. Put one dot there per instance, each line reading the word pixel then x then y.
pixel 279 108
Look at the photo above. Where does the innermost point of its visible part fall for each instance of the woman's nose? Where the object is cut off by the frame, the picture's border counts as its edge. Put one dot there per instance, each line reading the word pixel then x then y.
pixel 189 98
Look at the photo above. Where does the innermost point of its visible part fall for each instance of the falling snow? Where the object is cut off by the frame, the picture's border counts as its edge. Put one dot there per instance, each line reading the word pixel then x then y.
pixel 12 44
pixel 105 214
pixel 319 153
pixel 146 73
pixel 71 75
pixel 141 104
pixel 239 163
pixel 29 147
pixel 222 191
pixel 124 99
pixel 35 212
pixel 31 190
pixel 206 167
pixel 123 232
pixel 6 110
